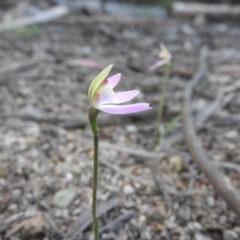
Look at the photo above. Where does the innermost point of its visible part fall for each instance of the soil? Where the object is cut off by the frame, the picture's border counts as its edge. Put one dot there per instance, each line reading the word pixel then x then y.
pixel 145 192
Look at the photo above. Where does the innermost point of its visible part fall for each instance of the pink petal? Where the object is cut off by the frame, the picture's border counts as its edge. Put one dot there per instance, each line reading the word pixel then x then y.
pixel 119 97
pixel 157 64
pixel 113 80
pixel 125 109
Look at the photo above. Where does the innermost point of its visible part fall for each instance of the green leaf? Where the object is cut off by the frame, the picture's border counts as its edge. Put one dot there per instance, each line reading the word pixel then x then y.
pixel 169 127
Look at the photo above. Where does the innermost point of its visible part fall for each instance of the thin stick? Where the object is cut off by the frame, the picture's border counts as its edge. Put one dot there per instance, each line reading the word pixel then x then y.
pixel 194 145
pixel 42 17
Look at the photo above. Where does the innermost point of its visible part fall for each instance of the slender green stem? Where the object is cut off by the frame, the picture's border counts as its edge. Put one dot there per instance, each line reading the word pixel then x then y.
pixel 163 93
pixel 92 115
pixel 162 100
pixel 169 127
pixel 94 188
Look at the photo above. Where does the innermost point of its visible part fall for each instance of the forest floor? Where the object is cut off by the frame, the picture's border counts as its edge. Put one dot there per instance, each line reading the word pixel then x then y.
pixel 144 192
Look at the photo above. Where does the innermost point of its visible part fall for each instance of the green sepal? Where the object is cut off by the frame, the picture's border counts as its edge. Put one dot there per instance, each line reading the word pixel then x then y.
pixel 97 82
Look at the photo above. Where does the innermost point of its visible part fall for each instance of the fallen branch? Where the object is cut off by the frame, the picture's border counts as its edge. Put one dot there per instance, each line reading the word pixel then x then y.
pixel 42 17
pixel 85 219
pixel 228 165
pixel 193 9
pixel 122 172
pixel 202 116
pixel 113 225
pixel 194 145
pixel 53 225
pixel 131 151
pixel 160 185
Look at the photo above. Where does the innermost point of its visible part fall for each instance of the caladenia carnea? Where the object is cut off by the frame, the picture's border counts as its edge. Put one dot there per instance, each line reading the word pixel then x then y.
pixel 164 60
pixel 102 98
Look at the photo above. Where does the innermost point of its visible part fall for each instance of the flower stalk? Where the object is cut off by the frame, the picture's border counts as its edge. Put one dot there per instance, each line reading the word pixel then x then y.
pixel 163 93
pixel 92 116
pixel 102 97
pixel 164 60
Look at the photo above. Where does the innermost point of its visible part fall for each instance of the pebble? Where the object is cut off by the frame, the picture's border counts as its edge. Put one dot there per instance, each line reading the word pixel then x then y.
pixel 200 236
pixel 12 207
pixel 230 235
pixel 194 227
pixel 16 193
pixel 77 211
pixel 231 134
pixel 176 163
pixel 64 197
pixel 69 176
pixel 128 189
pixel 131 128
pixel 210 201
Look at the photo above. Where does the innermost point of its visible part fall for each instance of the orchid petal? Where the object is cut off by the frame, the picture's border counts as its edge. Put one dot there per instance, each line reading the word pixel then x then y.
pixel 97 82
pixel 158 64
pixel 164 53
pixel 118 97
pixel 125 109
pixel 113 80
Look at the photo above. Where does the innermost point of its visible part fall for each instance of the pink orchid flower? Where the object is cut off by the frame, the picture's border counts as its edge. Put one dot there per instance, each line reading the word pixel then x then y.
pixel 102 97
pixel 164 58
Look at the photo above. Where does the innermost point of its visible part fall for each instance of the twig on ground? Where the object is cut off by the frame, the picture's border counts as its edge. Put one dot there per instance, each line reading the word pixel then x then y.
pixel 193 9
pixel 228 165
pixel 52 224
pixel 85 219
pixel 187 211
pixel 112 226
pixel 136 152
pixel 159 182
pixel 194 145
pixel 7 225
pixel 186 193
pixel 126 174
pixel 149 183
pixel 203 115
pixel 219 103
pixel 42 17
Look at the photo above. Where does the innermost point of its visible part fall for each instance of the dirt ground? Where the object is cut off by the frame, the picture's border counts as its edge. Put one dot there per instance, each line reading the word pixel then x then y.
pixel 46 142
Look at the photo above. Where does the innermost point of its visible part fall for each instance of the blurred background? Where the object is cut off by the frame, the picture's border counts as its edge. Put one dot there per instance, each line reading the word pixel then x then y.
pixel 50 51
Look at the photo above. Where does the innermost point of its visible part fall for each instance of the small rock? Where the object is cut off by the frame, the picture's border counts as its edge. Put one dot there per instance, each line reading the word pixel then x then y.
pixel 210 201
pixel 170 223
pixel 200 236
pixel 63 198
pixel 128 189
pixel 176 163
pixel 230 235
pixel 69 176
pixel 231 134
pixel 187 29
pixel 16 194
pixel 131 128
pixel 12 207
pixel 86 50
pixel 194 227
pixel 77 211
